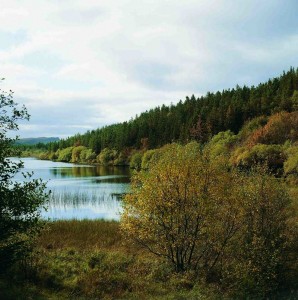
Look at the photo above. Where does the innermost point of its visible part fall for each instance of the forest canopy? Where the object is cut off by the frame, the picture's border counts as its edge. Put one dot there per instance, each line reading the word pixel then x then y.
pixel 194 118
pixel 252 124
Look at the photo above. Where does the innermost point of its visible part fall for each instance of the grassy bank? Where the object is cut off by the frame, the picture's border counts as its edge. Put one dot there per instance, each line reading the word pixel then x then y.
pixel 90 260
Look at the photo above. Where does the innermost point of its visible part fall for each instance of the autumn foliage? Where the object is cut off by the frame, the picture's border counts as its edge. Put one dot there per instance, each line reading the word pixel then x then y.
pixel 279 128
pixel 201 216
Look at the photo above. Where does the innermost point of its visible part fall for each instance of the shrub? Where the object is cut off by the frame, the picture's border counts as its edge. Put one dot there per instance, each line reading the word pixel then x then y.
pixel 65 154
pixel 291 164
pixel 251 126
pixel 146 159
pixel 120 160
pixel 90 155
pixel 222 143
pixel 76 153
pixel 202 217
pixel 271 155
pixel 52 156
pixel 107 156
pixel 44 155
pixel 260 250
pixel 279 128
pixel 136 161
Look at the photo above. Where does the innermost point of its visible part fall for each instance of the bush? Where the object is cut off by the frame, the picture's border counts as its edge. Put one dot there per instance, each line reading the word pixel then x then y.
pixel 76 153
pixel 251 126
pixel 271 155
pixel 260 250
pixel 120 160
pixel 222 143
pixel 87 155
pixel 291 164
pixel 52 156
pixel 175 204
pixel 44 155
pixel 107 156
pixel 136 161
pixel 65 155
pixel 279 128
pixel 146 159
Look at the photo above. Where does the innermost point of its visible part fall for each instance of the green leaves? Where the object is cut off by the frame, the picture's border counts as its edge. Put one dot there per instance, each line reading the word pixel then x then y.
pixel 20 203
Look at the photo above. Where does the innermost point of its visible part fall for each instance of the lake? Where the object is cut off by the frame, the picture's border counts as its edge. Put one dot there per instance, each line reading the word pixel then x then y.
pixel 80 191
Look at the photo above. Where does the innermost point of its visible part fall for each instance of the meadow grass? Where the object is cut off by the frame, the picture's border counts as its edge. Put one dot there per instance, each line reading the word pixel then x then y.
pixel 80 234
pixel 89 259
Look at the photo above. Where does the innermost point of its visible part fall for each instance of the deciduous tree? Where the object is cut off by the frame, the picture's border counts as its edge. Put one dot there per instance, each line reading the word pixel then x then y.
pixel 175 207
pixel 20 202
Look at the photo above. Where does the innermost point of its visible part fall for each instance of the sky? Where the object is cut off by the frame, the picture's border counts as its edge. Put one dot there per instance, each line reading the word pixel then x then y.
pixel 81 64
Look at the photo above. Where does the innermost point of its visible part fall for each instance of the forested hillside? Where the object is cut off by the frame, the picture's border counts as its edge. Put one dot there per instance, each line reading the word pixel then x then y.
pixel 259 120
pixel 194 118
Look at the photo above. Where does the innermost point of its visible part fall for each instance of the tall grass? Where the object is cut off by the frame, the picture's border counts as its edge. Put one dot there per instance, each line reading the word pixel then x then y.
pixel 90 260
pixel 80 234
pixel 84 259
pixel 64 204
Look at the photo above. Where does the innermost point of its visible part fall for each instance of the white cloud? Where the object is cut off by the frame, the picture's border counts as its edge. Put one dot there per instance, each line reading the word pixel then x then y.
pixel 111 60
pixel 267 53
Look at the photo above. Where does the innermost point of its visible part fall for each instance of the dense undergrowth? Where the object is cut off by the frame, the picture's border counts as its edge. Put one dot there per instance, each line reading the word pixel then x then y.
pixel 91 260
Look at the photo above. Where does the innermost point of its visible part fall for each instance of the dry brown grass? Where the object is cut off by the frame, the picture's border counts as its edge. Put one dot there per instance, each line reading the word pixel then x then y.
pixel 81 235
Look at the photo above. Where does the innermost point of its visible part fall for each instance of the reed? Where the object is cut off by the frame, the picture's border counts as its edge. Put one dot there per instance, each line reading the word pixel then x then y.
pixel 84 259
pixel 64 197
pixel 80 234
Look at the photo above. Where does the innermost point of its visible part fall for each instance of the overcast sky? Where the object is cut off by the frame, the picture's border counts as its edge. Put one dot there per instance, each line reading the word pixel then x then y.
pixel 82 64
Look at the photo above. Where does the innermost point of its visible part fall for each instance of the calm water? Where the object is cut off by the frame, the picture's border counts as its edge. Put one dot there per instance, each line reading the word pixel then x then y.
pixel 80 191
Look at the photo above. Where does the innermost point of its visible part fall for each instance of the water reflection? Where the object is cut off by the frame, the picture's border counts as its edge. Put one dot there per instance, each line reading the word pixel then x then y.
pixel 89 171
pixel 80 191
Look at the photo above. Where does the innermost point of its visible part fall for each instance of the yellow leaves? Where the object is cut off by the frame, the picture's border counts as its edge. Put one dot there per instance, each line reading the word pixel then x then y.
pixel 178 201
pixel 193 210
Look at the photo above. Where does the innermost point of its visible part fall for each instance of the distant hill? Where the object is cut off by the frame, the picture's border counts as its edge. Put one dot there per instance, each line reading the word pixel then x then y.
pixel 34 141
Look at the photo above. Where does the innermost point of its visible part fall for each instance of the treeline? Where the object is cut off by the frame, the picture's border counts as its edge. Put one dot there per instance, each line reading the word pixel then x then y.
pixel 263 140
pixel 193 119
pixel 258 124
